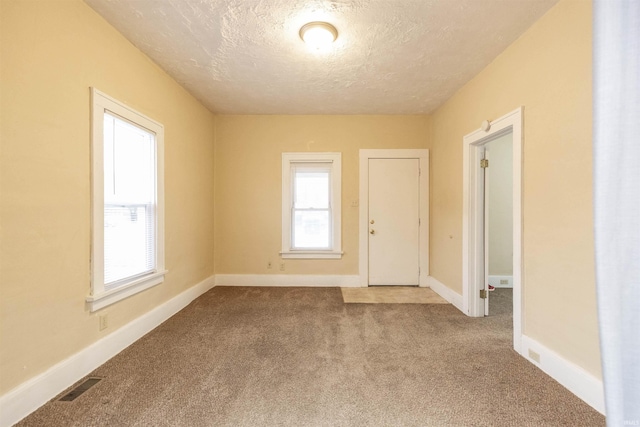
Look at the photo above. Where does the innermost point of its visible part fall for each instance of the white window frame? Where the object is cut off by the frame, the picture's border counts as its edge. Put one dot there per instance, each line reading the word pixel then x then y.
pixel 335 159
pixel 99 297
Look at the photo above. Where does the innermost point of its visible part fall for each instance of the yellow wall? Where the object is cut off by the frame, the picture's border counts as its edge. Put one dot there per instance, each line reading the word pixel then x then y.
pixel 52 52
pixel 549 72
pixel 249 191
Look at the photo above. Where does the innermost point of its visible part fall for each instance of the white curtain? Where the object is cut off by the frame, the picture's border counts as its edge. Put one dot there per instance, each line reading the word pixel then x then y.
pixel 616 151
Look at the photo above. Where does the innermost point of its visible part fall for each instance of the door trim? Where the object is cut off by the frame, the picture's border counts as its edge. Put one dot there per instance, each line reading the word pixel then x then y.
pixel 472 248
pixel 423 156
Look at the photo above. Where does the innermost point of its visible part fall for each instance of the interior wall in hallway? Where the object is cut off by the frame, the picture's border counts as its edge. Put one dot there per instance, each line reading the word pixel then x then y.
pixel 500 200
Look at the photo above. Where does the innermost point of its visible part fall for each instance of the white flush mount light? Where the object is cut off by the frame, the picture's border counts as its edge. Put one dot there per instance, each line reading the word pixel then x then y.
pixel 318 35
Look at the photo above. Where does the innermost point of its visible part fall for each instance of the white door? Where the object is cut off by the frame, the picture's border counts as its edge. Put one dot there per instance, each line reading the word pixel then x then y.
pixel 484 153
pixel 394 208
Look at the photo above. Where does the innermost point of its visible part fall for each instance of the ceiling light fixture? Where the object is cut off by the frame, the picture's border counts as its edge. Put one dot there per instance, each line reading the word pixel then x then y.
pixel 318 35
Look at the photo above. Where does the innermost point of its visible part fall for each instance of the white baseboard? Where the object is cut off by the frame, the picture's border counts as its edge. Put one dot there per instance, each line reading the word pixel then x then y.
pixel 495 281
pixel 571 376
pixel 288 280
pixel 30 395
pixel 446 292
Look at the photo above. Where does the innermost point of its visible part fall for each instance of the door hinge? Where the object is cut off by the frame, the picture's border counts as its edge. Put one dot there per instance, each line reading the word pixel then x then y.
pixel 418 271
pixel 484 163
pixel 483 294
pixel 419 171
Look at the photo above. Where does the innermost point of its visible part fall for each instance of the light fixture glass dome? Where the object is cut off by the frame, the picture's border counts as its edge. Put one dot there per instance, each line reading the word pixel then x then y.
pixel 318 35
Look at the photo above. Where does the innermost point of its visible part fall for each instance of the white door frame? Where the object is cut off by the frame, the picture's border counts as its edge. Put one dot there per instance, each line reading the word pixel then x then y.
pixel 472 242
pixel 423 156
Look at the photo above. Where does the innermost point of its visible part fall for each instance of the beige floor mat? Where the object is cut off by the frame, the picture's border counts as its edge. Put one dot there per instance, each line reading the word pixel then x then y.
pixel 391 295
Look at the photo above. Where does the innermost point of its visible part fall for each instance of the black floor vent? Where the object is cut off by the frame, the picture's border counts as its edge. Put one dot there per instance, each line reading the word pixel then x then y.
pixel 84 386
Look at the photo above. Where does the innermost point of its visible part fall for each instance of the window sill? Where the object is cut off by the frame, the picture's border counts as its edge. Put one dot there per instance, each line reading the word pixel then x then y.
pixel 97 302
pixel 311 255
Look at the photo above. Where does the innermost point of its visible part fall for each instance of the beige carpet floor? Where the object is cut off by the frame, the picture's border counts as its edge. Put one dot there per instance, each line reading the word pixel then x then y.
pixel 301 357
pixel 391 295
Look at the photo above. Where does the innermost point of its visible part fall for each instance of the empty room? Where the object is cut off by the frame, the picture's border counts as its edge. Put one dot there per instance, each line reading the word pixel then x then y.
pixel 355 213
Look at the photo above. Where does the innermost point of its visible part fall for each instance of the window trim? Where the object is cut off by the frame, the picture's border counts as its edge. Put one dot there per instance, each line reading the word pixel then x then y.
pixel 335 158
pixel 99 297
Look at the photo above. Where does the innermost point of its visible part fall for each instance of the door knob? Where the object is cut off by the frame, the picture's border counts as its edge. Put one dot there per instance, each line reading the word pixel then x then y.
pixel 372 222
pixel 372 232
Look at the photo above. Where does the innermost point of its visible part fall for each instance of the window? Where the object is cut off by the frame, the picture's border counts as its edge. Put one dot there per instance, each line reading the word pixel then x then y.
pixel 311 205
pixel 128 211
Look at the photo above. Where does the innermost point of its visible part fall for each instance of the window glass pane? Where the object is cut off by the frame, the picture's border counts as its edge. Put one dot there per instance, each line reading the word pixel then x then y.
pixel 129 200
pixel 129 248
pixel 311 189
pixel 129 162
pixel 311 229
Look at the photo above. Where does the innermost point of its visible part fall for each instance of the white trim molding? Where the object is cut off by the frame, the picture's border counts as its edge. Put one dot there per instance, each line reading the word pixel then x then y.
pixel 473 218
pixel 330 163
pixel 30 395
pixel 571 376
pixel 288 280
pixel 423 156
pixel 103 294
pixel 445 292
pixel 97 302
pixel 499 281
pixel 311 255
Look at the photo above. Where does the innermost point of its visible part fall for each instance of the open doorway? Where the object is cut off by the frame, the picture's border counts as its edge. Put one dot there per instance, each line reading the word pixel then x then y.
pixel 480 269
pixel 498 231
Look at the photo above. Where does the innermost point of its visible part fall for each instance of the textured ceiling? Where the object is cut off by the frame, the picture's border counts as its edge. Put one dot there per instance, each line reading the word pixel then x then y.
pixel 391 56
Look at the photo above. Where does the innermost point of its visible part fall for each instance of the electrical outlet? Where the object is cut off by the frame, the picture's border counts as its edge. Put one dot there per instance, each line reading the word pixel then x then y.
pixel 504 281
pixel 534 356
pixel 269 265
pixel 103 321
pixel 354 203
pixel 282 266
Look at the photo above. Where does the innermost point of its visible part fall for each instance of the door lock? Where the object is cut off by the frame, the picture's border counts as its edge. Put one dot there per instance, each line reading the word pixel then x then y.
pixel 372 222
